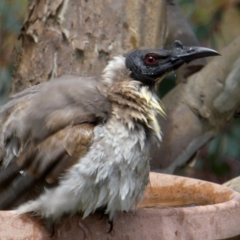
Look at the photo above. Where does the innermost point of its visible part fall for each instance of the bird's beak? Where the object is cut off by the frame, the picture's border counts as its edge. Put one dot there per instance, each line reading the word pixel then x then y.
pixel 187 54
pixel 175 58
pixel 182 54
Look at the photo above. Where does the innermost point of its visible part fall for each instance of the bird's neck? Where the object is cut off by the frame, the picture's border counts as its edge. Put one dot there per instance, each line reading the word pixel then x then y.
pixel 132 102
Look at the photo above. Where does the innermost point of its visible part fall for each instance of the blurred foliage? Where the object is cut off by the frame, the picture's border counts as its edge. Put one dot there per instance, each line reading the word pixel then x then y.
pixel 12 14
pixel 167 84
pixel 215 23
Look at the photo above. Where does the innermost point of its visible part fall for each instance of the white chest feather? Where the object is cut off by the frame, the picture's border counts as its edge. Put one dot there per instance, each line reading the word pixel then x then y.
pixel 113 174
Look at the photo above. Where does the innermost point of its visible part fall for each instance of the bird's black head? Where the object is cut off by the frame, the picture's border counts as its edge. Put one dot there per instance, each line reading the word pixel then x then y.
pixel 150 66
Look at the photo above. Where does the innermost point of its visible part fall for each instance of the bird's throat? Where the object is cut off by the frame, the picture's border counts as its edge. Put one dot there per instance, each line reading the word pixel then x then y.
pixel 134 103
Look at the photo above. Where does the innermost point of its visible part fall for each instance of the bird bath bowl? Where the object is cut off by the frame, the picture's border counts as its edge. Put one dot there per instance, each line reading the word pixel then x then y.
pixel 173 208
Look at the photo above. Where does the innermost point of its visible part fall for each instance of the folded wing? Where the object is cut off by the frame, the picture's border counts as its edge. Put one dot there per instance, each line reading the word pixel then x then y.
pixel 44 130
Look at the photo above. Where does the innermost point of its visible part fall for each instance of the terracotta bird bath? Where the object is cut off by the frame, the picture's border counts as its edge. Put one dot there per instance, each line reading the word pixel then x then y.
pixel 173 208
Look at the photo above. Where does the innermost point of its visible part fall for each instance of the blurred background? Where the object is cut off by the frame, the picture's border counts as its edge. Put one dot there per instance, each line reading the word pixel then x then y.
pixel 12 13
pixel 215 22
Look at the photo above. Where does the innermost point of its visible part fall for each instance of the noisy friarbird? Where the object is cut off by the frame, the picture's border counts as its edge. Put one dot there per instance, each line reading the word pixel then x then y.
pixel 78 144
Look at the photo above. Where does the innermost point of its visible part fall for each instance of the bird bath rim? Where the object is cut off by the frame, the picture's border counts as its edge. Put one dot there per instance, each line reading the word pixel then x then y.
pixel 214 221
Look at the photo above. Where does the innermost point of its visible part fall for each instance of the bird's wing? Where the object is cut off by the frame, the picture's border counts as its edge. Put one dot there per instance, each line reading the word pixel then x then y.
pixel 44 130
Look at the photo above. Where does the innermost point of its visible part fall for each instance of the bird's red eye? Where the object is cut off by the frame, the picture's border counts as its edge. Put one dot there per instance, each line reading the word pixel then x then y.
pixel 150 60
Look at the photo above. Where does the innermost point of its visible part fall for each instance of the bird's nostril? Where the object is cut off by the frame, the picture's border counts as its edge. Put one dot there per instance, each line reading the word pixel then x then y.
pixel 190 50
pixel 173 58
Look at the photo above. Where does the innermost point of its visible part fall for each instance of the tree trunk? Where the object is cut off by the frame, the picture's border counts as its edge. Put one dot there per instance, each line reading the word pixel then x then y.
pixel 79 37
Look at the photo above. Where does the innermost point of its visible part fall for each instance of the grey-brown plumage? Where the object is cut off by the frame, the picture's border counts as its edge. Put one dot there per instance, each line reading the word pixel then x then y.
pixel 78 144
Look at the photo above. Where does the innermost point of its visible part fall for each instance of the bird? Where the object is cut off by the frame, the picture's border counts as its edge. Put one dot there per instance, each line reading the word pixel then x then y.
pixel 79 144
